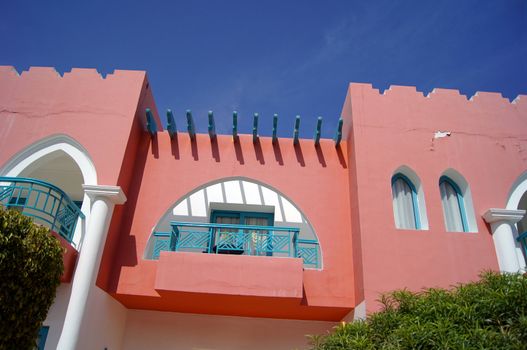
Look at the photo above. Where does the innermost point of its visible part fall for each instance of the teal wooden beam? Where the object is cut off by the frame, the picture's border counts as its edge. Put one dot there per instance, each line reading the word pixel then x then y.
pixel 338 134
pixel 151 125
pixel 212 125
pixel 255 127
pixel 171 124
pixel 275 127
pixel 317 131
pixel 297 128
pixel 234 124
pixel 190 125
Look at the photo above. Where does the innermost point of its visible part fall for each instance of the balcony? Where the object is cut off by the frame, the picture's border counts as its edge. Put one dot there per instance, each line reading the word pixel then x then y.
pixel 47 204
pixel 211 238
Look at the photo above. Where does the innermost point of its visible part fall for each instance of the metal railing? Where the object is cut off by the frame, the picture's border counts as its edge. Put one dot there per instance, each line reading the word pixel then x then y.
pixel 47 204
pixel 237 239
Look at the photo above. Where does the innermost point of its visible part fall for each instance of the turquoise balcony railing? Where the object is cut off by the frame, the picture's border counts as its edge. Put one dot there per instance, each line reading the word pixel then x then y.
pixel 237 239
pixel 47 204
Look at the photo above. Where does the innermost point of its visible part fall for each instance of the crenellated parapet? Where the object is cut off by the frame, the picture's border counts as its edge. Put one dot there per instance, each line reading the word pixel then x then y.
pixel 44 92
pixel 51 72
pixel 100 113
pixel 404 107
pixel 401 91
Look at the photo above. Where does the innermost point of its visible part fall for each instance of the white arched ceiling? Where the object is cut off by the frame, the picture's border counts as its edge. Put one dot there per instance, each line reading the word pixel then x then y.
pixel 59 160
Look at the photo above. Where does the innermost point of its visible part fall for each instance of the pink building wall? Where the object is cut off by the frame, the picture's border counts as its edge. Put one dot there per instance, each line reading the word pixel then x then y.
pixel 316 180
pixel 96 112
pixel 486 146
pixel 344 192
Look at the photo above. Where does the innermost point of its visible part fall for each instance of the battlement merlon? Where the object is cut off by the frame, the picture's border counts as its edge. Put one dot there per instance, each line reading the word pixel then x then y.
pixel 99 113
pixel 403 107
pixel 80 91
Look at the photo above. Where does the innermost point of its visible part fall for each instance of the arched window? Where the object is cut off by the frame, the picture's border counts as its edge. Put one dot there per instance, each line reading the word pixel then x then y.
pixel 405 205
pixel 454 211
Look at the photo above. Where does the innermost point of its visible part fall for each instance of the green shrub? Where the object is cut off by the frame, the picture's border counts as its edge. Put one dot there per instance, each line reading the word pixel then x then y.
pixel 30 269
pixel 489 314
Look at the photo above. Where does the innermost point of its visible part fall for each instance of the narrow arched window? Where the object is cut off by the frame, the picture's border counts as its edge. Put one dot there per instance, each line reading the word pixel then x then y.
pixel 454 211
pixel 405 206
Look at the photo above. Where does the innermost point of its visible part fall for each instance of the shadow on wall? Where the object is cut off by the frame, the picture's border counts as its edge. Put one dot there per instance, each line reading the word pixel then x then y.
pixel 258 147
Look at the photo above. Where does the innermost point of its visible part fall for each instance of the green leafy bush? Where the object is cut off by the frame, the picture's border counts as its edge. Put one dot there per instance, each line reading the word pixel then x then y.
pixel 489 314
pixel 30 269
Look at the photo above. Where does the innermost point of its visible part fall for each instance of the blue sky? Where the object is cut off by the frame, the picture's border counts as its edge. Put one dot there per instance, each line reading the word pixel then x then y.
pixel 286 57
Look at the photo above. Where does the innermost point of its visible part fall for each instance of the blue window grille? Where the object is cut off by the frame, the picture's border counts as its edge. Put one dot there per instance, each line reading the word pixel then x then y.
pixel 240 236
pixel 405 203
pixel 453 203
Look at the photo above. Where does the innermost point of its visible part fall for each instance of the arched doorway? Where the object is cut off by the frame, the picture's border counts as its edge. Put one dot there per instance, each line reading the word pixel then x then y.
pixel 60 162
pixel 517 200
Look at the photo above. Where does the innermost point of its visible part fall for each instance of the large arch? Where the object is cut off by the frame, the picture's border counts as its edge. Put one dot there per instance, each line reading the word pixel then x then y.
pixel 234 194
pixel 59 153
pixel 517 199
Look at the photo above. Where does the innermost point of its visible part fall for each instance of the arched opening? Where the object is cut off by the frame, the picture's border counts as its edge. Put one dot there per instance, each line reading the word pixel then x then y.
pixel 236 216
pixel 50 175
pixel 408 200
pixel 456 199
pixel 517 199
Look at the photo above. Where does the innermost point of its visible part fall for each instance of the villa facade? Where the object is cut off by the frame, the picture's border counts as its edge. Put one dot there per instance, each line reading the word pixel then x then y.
pixel 176 239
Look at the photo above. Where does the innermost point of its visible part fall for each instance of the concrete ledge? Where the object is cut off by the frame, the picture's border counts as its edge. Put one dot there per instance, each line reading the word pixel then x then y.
pixel 220 274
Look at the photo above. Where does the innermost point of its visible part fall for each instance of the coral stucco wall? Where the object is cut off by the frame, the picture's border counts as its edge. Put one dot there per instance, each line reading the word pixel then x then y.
pixel 487 147
pixel 314 178
pixel 96 112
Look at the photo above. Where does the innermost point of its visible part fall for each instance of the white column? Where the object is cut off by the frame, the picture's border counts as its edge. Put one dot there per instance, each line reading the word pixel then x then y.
pixel 501 223
pixel 103 199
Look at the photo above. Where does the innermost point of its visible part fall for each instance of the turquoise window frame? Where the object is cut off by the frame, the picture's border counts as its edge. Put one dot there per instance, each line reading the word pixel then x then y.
pixel 42 336
pixel 460 200
pixel 242 215
pixel 415 203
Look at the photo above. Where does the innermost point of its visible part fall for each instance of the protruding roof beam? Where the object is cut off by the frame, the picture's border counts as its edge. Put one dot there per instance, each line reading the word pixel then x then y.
pixel 171 124
pixel 338 134
pixel 275 127
pixel 212 125
pixel 234 124
pixel 255 127
pixel 317 131
pixel 297 127
pixel 190 125
pixel 151 125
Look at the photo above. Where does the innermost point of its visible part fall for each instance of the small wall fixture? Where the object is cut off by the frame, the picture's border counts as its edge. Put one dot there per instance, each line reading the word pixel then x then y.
pixel 171 124
pixel 190 125
pixel 338 134
pixel 151 125
pixel 212 125
pixel 296 130
pixel 317 131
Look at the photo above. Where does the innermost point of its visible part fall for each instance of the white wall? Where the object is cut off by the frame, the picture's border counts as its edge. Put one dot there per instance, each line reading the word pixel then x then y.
pixel 167 330
pixel 103 324
pixel 56 314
